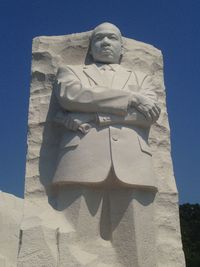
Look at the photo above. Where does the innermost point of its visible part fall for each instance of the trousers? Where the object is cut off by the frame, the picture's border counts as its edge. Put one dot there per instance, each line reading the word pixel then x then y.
pixel 110 224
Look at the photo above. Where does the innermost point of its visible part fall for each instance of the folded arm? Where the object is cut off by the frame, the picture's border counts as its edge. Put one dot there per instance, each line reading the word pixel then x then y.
pixel 134 117
pixel 135 107
pixel 145 100
pixel 73 96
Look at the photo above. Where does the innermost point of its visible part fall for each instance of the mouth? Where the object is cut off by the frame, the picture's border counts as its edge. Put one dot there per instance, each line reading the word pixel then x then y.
pixel 106 50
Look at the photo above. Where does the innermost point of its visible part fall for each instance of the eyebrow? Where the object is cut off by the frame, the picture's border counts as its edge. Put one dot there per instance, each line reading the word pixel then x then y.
pixel 110 34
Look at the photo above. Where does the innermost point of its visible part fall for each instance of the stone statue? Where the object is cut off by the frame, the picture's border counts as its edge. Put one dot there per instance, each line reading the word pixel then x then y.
pixel 108 111
pixel 96 193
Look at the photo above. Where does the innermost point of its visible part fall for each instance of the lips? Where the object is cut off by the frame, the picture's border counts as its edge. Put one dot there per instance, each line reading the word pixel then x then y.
pixel 106 50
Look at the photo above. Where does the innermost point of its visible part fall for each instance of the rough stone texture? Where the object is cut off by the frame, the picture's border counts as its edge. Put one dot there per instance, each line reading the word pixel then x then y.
pixel 11 212
pixel 45 229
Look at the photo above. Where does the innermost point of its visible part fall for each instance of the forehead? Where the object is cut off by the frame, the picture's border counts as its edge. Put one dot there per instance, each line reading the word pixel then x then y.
pixel 106 29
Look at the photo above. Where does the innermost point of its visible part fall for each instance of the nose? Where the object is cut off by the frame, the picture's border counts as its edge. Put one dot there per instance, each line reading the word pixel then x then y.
pixel 105 40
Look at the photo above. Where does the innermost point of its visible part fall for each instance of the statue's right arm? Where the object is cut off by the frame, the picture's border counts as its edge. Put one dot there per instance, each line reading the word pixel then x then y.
pixel 73 96
pixel 134 118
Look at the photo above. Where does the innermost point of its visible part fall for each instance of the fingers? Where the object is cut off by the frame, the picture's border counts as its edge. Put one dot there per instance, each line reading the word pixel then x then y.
pixel 154 116
pixel 151 112
pixel 157 108
pixel 148 116
pixel 71 124
pixel 85 128
pixel 155 111
pixel 145 112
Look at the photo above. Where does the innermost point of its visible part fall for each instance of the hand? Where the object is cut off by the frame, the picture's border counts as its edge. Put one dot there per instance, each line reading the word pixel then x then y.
pixel 71 124
pixel 67 121
pixel 84 128
pixel 147 107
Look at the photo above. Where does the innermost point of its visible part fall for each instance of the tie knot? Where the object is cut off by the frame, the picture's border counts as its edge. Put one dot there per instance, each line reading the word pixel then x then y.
pixel 105 67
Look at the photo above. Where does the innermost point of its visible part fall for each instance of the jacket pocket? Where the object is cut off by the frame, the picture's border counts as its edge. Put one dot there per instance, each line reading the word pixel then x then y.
pixel 69 141
pixel 144 146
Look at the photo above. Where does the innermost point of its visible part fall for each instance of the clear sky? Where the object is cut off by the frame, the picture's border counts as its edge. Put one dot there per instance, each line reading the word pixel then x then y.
pixel 170 25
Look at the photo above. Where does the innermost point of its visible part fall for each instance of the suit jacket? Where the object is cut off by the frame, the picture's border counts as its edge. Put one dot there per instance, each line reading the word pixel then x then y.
pixel 113 141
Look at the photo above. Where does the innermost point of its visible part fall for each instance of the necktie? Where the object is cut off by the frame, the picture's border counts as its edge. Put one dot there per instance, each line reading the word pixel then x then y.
pixel 107 75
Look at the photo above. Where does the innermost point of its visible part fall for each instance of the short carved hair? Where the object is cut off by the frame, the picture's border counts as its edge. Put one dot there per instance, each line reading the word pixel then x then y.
pixel 106 24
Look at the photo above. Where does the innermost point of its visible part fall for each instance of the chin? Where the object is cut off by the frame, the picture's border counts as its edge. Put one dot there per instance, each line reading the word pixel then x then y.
pixel 108 60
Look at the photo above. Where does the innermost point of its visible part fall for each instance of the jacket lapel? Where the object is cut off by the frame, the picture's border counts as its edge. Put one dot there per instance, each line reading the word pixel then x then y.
pixel 94 74
pixel 121 77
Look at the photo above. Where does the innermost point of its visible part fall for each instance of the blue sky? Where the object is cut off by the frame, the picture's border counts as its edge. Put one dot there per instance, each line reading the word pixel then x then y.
pixel 172 26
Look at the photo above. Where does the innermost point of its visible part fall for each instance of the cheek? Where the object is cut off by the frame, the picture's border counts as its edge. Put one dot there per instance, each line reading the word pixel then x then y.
pixel 118 50
pixel 96 48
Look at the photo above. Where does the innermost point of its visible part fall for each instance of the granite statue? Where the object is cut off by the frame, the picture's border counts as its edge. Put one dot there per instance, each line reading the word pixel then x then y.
pixel 108 111
pixel 96 193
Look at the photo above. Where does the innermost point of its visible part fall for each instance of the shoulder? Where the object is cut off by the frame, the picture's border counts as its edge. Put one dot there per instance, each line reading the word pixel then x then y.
pixel 136 73
pixel 72 68
pixel 121 68
pixel 68 70
pixel 141 76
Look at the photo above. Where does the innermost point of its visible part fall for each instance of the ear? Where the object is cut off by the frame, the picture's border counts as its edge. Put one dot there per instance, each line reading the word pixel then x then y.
pixel 122 50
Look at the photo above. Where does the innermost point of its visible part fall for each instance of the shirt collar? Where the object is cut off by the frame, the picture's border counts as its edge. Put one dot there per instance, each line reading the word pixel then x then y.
pixel 112 67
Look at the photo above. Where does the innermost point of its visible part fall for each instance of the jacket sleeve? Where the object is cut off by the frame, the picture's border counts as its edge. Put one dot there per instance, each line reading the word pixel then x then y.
pixel 145 87
pixel 73 96
pixel 141 86
pixel 134 118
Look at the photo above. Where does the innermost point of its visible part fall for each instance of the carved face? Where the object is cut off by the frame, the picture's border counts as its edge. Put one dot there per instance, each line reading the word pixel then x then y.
pixel 106 44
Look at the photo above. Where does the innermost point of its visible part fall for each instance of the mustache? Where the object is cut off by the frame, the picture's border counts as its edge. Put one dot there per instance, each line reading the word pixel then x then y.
pixel 105 45
pixel 106 48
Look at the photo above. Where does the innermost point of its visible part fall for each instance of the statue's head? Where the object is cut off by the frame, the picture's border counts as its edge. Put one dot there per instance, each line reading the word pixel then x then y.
pixel 106 44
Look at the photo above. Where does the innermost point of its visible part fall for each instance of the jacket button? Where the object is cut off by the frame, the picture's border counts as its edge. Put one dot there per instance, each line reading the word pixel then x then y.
pixel 114 138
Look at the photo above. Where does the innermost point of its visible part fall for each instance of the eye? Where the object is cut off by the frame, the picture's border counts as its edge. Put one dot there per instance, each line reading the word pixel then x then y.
pixel 98 37
pixel 113 37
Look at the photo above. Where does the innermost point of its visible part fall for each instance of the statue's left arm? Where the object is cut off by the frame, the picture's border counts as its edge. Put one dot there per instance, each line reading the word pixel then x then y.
pixel 73 96
pixel 143 110
pixel 145 100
